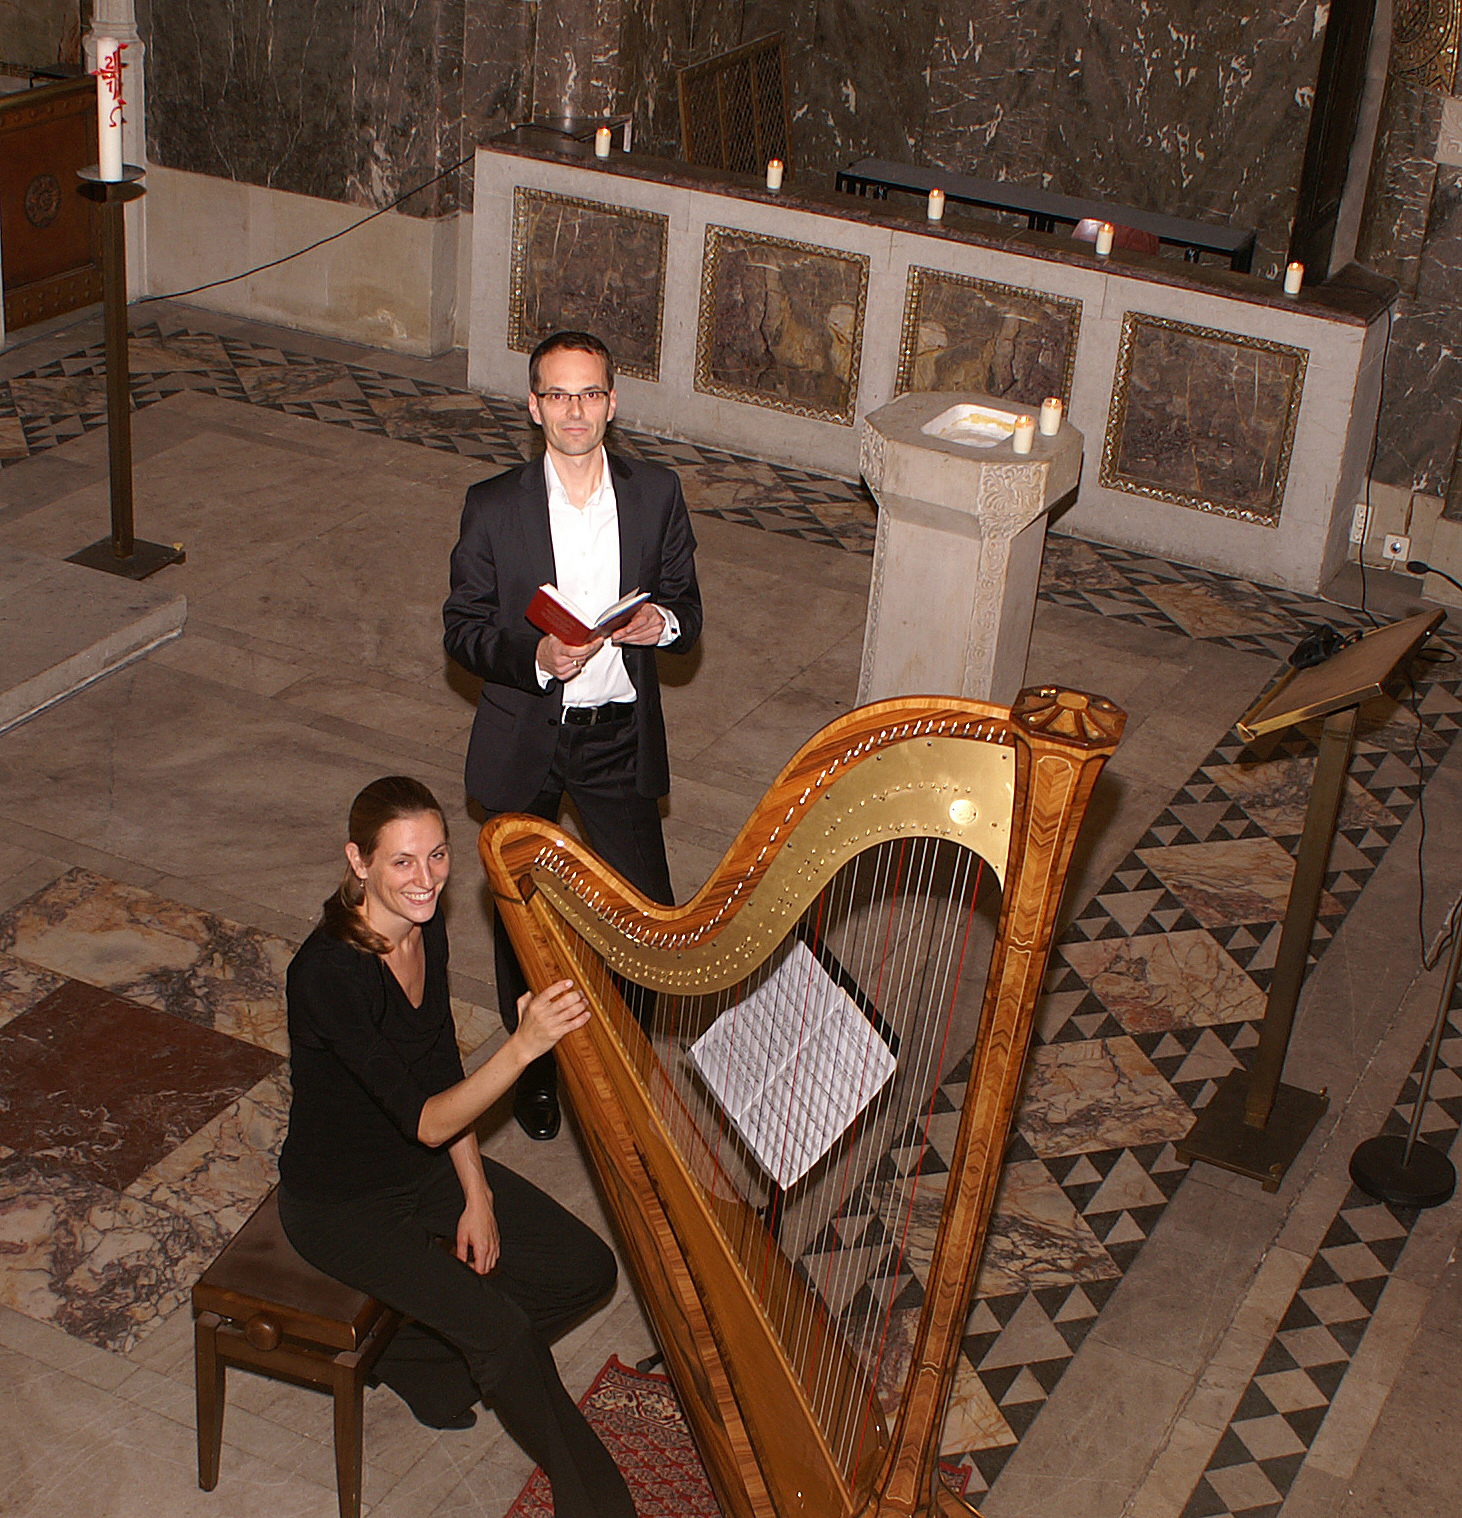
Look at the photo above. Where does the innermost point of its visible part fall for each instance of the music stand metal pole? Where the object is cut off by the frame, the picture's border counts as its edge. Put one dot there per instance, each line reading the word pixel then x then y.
pixel 1405 1171
pixel 122 553
pixel 1256 1124
pixel 1306 889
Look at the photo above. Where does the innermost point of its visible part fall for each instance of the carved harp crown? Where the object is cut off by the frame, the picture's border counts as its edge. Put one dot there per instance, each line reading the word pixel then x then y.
pixel 796 1089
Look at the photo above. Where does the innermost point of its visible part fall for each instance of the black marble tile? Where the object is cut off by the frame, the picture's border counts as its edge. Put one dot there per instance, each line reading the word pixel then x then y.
pixel 103 1087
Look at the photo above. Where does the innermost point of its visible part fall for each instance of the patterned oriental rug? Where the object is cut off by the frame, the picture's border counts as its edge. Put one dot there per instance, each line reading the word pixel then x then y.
pixel 639 1418
pixel 640 1421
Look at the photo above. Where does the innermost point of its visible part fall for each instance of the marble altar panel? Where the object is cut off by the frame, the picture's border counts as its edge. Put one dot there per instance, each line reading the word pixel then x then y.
pixel 781 324
pixel 346 100
pixel 963 333
pixel 1203 418
pixel 580 265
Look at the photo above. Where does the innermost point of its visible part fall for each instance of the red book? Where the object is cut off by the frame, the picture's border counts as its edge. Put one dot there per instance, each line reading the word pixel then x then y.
pixel 552 612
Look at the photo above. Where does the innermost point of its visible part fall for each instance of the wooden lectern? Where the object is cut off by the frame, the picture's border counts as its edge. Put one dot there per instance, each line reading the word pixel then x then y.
pixel 1255 1124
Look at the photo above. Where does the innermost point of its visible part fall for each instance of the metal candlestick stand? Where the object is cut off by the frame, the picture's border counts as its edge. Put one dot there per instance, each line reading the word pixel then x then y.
pixel 122 553
pixel 1405 1171
pixel 1255 1124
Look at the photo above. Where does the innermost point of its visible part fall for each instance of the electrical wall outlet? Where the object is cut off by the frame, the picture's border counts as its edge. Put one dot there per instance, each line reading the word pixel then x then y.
pixel 1395 548
pixel 1358 522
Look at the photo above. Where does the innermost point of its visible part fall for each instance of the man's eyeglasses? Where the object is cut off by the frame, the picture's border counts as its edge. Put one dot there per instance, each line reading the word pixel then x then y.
pixel 561 399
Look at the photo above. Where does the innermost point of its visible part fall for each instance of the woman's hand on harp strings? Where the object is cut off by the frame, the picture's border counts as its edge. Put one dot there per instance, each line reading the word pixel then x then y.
pixel 545 1018
pixel 542 1020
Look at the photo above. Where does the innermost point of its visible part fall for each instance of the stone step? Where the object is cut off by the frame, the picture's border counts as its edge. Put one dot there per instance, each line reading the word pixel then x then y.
pixel 63 626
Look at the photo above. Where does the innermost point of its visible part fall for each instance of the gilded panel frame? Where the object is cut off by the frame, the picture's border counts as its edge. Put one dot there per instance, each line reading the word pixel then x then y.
pixel 913 302
pixel 1112 479
pixel 706 383
pixel 519 339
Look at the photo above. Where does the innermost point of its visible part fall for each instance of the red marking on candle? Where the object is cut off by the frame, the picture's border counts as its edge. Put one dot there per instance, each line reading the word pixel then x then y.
pixel 110 75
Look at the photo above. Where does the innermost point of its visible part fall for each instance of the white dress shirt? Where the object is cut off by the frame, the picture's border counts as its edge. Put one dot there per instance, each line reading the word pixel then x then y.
pixel 586 556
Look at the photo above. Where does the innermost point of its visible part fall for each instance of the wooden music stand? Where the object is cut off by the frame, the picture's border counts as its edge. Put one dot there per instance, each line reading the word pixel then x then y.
pixel 1255 1124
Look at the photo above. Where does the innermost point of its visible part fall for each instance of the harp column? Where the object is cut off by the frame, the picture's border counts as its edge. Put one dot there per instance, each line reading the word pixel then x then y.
pixel 961 529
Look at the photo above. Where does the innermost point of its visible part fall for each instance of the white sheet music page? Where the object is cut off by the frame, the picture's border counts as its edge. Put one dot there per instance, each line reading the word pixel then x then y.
pixel 793 1064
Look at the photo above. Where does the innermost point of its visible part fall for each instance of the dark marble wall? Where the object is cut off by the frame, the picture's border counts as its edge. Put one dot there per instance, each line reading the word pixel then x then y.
pixel 1411 231
pixel 1186 107
pixel 351 100
pixel 41 31
pixel 1189 107
pixel 498 44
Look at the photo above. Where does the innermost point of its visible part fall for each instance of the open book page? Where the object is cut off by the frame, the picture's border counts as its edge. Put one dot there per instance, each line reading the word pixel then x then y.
pixel 552 612
pixel 793 1064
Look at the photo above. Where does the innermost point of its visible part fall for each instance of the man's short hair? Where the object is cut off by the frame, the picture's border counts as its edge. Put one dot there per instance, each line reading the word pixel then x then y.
pixel 573 342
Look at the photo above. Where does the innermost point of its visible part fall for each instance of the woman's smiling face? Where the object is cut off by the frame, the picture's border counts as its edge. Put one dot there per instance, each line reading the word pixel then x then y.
pixel 405 874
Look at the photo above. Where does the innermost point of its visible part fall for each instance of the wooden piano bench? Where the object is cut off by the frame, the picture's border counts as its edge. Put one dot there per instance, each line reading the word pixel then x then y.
pixel 260 1305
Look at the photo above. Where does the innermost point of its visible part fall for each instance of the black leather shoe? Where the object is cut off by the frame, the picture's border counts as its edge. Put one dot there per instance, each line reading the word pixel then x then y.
pixel 466 1419
pixel 536 1109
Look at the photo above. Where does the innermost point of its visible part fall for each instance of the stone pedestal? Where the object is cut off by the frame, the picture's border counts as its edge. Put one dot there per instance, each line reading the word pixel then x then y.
pixel 961 526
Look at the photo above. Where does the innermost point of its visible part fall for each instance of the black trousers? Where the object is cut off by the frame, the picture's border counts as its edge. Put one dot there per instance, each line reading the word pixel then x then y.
pixel 595 768
pixel 477 1336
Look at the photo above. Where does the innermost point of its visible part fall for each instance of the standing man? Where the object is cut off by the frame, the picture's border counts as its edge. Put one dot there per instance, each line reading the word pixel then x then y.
pixel 553 718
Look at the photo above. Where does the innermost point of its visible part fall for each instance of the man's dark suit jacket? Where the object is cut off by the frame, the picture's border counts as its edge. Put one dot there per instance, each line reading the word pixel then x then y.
pixel 504 553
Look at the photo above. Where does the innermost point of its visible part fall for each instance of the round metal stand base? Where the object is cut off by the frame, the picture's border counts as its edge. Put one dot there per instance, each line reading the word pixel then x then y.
pixel 1377 1168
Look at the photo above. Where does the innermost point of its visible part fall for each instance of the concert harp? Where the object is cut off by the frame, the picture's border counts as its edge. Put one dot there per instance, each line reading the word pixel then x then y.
pixel 770 1087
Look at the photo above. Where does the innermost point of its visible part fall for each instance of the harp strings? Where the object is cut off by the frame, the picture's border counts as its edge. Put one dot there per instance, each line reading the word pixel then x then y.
pixel 895 927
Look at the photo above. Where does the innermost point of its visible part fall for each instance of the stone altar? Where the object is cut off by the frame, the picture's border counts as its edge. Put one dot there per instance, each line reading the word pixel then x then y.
pixel 961 527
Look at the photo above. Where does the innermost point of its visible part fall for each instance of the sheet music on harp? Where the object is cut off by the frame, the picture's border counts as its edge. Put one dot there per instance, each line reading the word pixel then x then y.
pixel 793 1064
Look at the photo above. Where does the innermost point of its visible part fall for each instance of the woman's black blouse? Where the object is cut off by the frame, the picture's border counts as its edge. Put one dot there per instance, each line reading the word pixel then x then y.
pixel 363 1063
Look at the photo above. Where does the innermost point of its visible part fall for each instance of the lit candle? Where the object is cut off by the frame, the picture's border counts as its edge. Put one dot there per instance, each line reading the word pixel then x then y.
pixel 601 142
pixel 1025 434
pixel 774 173
pixel 936 204
pixel 1105 233
pixel 1050 416
pixel 1294 277
pixel 109 105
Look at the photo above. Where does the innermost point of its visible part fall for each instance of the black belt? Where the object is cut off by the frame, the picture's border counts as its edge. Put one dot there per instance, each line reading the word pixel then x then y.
pixel 592 716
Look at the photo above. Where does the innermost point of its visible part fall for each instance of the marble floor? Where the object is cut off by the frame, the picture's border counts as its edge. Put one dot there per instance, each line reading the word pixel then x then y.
pixel 1146 1339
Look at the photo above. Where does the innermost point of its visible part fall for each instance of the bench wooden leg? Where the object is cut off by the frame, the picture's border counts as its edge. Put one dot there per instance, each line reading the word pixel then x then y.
pixel 208 1376
pixel 349 1417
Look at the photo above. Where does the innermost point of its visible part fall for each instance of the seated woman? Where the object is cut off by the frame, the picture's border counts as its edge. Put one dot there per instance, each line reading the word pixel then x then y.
pixel 381 1163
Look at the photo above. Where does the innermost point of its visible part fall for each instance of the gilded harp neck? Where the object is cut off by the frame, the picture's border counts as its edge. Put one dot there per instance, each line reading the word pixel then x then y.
pixel 898 769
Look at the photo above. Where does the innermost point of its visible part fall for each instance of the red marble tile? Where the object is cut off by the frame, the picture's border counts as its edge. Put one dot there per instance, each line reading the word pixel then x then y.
pixel 104 1087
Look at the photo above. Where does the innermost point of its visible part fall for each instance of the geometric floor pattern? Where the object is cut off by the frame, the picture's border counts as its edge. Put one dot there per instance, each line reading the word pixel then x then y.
pixel 1284 1407
pixel 1155 989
